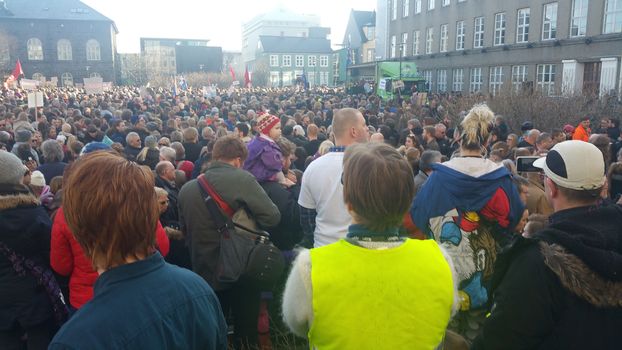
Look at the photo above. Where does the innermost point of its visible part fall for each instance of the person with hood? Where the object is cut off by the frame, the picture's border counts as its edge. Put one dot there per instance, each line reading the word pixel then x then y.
pixel 470 206
pixel 562 289
pixel 29 293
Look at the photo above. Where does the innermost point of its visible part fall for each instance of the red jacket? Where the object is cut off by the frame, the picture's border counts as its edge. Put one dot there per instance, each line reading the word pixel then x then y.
pixel 67 259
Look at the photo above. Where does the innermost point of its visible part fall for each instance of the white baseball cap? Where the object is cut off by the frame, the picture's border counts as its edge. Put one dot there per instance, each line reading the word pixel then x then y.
pixel 576 165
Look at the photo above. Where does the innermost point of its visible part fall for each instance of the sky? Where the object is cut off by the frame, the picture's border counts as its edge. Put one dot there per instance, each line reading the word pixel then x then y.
pixel 218 21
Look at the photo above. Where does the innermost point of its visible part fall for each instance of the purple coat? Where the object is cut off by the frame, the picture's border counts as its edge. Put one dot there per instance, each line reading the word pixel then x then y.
pixel 264 159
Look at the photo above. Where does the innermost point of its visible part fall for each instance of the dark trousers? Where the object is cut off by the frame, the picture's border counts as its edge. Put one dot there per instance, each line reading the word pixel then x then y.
pixel 37 337
pixel 240 305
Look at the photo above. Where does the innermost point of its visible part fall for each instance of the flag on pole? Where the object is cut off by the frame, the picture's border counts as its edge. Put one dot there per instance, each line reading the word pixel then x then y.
pixel 231 72
pixel 247 78
pixel 17 72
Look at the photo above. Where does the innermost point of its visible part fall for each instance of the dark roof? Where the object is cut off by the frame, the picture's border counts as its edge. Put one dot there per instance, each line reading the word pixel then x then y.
pixel 294 44
pixel 52 9
pixel 364 19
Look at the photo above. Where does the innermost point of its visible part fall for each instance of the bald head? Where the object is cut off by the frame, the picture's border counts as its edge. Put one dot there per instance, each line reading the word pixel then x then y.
pixel 165 170
pixel 349 127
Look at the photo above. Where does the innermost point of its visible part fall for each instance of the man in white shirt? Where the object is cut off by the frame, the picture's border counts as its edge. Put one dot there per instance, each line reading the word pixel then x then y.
pixel 323 214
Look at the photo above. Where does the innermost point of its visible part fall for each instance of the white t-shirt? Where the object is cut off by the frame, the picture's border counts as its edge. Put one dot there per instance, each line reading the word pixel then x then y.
pixel 321 189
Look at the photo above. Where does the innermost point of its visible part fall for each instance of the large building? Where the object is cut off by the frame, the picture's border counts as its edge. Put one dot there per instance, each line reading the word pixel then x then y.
pixel 279 22
pixel 65 39
pixel 166 56
pixel 557 47
pixel 289 58
pixel 358 52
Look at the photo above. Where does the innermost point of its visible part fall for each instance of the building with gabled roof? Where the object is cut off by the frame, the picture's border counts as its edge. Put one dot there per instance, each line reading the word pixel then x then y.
pixel 65 39
pixel 291 59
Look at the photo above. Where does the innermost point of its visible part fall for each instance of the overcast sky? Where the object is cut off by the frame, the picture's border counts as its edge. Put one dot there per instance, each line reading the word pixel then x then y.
pixel 218 21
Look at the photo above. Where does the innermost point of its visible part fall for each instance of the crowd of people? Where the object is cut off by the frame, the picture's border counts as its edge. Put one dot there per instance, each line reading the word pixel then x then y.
pixel 401 226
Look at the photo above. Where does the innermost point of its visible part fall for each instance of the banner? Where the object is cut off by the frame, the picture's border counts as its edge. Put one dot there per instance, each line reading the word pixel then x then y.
pixel 29 84
pixel 94 86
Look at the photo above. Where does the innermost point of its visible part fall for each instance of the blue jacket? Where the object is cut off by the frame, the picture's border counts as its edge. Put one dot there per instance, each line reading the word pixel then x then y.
pixel 148 304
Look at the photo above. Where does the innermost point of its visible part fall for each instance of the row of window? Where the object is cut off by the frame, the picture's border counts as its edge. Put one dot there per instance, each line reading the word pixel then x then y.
pixel 545 79
pixel 417 6
pixel 289 78
pixel 63 49
pixel 286 61
pixel 578 28
pixel 66 78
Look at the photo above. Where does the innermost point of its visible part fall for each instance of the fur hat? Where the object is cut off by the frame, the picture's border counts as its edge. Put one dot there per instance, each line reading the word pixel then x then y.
pixel 11 169
pixel 266 122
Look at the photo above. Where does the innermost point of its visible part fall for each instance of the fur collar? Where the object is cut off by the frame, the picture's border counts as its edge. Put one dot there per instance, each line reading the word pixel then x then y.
pixel 577 277
pixel 12 201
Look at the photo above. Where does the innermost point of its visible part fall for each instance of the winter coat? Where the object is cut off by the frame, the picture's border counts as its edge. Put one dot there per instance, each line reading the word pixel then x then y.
pixel 24 229
pixel 131 153
pixel 149 157
pixel 68 259
pixel 264 159
pixel 240 190
pixel 562 290
pixel 288 232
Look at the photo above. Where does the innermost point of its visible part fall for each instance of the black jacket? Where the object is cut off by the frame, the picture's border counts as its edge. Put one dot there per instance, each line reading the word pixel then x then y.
pixel 562 290
pixel 25 229
pixel 288 232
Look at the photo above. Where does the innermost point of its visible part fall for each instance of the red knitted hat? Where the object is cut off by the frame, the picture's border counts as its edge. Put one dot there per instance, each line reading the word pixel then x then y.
pixel 266 122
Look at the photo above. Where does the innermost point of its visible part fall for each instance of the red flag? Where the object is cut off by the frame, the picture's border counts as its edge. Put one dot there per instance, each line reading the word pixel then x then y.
pixel 232 72
pixel 18 70
pixel 247 78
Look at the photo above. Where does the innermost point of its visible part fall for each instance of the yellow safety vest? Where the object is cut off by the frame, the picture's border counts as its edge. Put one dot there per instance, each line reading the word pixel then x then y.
pixel 398 298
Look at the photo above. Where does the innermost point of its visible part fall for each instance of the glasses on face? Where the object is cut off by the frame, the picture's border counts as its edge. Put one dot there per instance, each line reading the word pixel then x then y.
pixel 163 202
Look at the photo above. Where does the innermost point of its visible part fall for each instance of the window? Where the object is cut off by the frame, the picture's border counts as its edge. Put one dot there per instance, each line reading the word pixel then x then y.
pixel 405 8
pixel 35 49
pixel 93 52
pixel 417 6
pixel 429 39
pixel 274 60
pixel 323 78
pixel 444 38
pixel 403 51
pixel 546 78
pixel 394 9
pixel 476 79
pixel 275 79
pixel 288 78
pixel 458 80
pixel 445 3
pixel 95 75
pixel 370 33
pixel 519 76
pixel 311 61
pixel 38 77
pixel 431 4
pixel 478 35
pixel 287 60
pixel 324 60
pixel 549 21
pixel 496 80
pixel 393 46
pixel 370 56
pixel 300 61
pixel 427 75
pixel 522 26
pixel 613 17
pixel 499 29
pixel 460 35
pixel 441 80
pixel 63 47
pixel 578 21
pixel 416 37
pixel 66 79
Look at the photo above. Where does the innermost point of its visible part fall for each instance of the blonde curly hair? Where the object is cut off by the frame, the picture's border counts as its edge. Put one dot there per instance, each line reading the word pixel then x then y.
pixel 476 127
